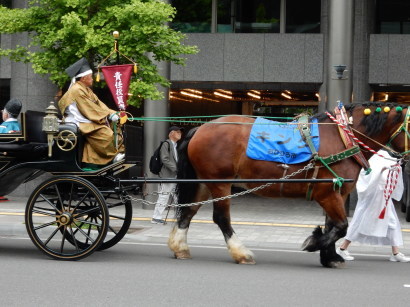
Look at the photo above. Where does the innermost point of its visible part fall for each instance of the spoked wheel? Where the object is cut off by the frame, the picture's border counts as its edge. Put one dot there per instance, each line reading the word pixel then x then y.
pixel 67 218
pixel 120 214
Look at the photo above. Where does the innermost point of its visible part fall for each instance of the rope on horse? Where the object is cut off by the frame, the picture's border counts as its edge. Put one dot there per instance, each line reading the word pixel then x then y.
pixel 353 136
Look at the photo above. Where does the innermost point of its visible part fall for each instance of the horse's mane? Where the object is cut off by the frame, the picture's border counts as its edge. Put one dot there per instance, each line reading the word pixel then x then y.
pixel 374 122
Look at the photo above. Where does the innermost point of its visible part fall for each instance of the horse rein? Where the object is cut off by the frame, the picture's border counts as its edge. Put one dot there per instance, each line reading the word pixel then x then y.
pixel 404 127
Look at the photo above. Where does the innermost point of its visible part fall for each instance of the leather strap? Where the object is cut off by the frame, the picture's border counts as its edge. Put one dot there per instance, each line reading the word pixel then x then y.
pixel 285 171
pixel 309 191
pixel 303 126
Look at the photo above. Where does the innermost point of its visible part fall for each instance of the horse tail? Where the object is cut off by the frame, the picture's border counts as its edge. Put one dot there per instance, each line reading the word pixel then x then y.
pixel 186 191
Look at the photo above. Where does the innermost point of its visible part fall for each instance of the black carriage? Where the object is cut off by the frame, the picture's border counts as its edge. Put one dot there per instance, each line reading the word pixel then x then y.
pixel 74 212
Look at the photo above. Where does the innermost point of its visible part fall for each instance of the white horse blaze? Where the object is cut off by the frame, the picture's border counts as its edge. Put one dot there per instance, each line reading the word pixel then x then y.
pixel 238 251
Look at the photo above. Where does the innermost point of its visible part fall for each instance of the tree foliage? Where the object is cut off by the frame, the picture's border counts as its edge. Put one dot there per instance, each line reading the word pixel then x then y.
pixel 63 31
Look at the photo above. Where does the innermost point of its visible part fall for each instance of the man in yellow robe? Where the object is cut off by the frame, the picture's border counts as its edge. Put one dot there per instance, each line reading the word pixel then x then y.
pixel 81 106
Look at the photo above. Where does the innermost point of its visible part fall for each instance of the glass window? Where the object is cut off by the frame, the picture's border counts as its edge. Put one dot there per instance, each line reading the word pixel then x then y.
pixel 6 3
pixel 248 16
pixel 303 16
pixel 257 16
pixel 192 16
pixel 226 9
pixel 393 16
pixel 4 92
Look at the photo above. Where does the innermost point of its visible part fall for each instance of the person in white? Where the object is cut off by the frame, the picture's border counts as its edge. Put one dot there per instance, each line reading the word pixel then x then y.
pixel 169 158
pixel 375 220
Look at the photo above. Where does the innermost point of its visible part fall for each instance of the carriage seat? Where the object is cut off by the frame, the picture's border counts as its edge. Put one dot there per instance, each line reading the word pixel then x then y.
pixel 31 142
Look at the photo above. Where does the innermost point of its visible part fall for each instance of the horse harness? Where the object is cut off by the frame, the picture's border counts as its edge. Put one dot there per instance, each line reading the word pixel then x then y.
pixel 352 149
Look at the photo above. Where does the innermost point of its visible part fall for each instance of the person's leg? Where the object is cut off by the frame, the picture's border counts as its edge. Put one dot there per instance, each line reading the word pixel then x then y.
pixel 345 244
pixel 165 190
pixel 99 146
pixel 397 256
pixel 342 250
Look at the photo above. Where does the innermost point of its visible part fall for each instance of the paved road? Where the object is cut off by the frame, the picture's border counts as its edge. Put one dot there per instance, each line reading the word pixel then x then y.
pixel 259 222
pixel 146 274
pixel 140 270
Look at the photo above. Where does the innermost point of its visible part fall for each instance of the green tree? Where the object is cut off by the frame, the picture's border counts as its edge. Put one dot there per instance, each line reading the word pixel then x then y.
pixel 63 31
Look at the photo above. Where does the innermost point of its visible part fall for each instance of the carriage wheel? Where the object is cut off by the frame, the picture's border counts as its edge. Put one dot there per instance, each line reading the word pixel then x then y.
pixel 120 214
pixel 67 218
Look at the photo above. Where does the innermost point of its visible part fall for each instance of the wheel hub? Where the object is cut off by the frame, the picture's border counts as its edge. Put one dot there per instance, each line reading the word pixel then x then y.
pixel 65 218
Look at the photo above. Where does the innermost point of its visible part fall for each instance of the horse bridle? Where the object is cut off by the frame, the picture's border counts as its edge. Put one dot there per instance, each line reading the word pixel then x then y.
pixel 404 127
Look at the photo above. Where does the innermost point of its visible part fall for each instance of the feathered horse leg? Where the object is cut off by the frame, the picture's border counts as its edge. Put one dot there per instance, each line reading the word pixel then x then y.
pixel 325 241
pixel 177 240
pixel 222 217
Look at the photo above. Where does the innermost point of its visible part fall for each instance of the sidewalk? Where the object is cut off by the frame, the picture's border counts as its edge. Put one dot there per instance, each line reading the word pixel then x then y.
pixel 259 223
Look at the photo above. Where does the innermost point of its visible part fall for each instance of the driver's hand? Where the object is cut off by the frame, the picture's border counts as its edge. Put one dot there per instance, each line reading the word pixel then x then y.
pixel 114 117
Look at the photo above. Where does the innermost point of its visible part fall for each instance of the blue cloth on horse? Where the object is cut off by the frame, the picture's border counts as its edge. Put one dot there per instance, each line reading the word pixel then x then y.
pixel 280 142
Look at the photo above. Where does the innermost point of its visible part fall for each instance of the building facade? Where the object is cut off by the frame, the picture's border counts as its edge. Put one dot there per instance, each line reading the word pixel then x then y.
pixel 265 57
pixel 283 61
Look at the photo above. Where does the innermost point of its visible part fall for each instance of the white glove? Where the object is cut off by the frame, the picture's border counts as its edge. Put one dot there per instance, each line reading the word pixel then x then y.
pixel 114 117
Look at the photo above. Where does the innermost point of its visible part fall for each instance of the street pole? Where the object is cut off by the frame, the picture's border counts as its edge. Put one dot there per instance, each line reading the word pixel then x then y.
pixel 340 51
pixel 155 131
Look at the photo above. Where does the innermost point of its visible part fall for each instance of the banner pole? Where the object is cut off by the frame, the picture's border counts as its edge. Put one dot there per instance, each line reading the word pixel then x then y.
pixel 116 35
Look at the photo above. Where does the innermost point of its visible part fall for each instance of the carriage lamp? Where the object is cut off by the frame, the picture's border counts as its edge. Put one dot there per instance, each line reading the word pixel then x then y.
pixel 50 125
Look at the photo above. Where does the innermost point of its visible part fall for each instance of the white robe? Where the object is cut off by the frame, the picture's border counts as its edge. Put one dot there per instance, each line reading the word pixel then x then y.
pixel 366 227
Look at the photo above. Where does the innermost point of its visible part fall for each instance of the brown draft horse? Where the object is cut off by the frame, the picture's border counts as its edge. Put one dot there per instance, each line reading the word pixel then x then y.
pixel 218 151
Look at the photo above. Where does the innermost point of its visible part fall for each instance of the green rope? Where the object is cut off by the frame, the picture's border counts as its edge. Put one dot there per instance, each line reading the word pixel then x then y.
pixel 204 122
pixel 115 134
pixel 211 116
pixel 115 131
pixel 368 171
pixel 339 183
pixel 338 180
pixel 196 119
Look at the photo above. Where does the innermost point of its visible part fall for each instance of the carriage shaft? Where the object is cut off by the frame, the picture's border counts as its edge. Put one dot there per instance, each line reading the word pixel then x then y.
pixel 267 180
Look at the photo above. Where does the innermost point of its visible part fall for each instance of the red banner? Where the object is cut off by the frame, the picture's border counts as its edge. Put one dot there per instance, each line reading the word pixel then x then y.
pixel 118 81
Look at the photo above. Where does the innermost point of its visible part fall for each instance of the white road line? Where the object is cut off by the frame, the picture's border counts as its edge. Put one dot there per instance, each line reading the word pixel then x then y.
pixel 253 249
pixel 224 247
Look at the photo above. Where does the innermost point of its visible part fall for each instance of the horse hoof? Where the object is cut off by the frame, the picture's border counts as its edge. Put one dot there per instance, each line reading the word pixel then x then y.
pixel 246 261
pixel 310 244
pixel 334 264
pixel 183 255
